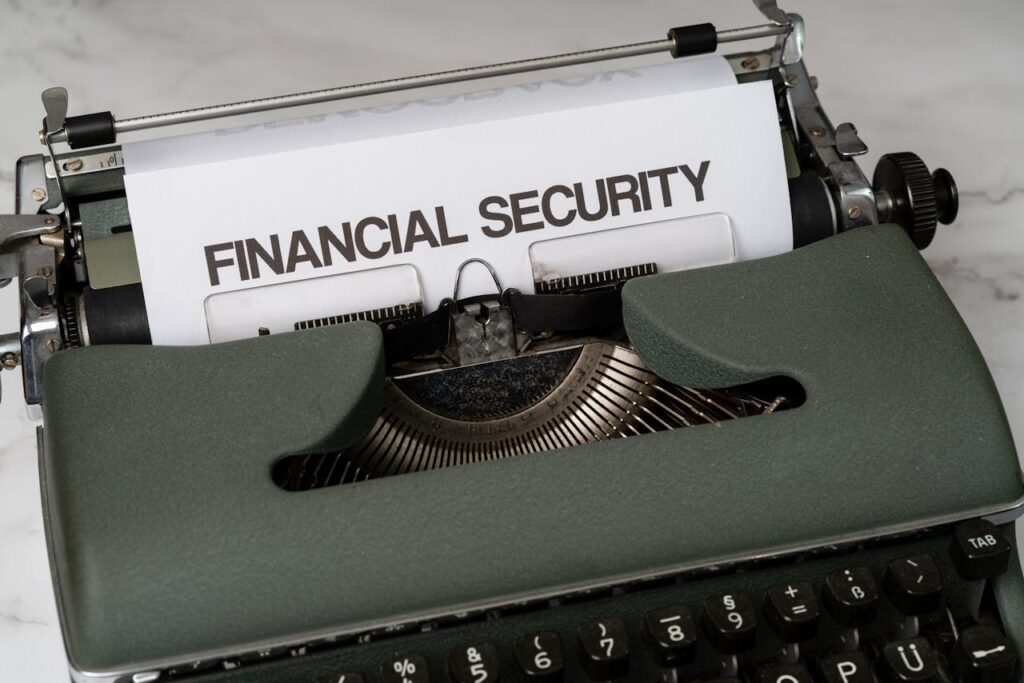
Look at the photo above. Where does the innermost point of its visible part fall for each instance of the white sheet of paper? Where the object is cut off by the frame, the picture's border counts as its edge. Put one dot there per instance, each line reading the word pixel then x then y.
pixel 234 192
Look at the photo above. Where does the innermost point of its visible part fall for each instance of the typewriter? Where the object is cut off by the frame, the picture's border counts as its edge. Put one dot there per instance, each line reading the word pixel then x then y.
pixel 782 470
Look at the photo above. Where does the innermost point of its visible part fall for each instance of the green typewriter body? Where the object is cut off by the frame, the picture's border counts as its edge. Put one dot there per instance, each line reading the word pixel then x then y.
pixel 180 541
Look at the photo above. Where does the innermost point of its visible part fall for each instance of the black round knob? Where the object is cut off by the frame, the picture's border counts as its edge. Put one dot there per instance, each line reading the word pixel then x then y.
pixel 918 199
pixel 947 198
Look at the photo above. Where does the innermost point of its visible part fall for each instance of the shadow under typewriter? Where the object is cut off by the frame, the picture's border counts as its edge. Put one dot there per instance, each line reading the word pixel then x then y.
pixel 530 404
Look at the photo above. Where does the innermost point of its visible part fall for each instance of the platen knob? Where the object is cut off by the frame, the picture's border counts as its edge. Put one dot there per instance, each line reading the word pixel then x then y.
pixel 914 198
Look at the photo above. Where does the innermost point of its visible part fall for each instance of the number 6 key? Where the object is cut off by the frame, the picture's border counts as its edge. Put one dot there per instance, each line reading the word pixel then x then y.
pixel 539 656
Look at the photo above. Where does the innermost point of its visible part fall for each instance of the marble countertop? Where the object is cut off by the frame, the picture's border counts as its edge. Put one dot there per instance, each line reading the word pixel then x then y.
pixel 934 78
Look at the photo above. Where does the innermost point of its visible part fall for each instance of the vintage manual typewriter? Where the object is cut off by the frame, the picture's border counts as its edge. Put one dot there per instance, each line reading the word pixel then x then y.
pixel 782 470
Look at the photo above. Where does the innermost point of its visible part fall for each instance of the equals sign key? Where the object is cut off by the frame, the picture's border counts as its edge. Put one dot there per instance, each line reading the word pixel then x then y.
pixel 792 611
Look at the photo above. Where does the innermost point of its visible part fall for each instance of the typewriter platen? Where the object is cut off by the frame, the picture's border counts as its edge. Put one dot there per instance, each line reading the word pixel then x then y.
pixel 832 518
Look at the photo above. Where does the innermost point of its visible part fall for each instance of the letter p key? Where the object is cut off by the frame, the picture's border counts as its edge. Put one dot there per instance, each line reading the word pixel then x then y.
pixel 852 667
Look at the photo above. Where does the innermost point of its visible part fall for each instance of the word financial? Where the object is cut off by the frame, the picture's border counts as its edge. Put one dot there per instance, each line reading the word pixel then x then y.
pixel 374 237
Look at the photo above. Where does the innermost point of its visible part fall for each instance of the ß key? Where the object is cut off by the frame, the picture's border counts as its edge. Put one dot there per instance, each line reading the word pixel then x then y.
pixel 851 596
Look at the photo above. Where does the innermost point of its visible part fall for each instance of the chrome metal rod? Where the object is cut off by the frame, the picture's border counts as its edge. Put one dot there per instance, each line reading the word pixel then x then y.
pixel 397 84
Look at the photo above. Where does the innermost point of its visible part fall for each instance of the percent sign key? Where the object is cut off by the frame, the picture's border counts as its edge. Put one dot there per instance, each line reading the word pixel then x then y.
pixel 411 669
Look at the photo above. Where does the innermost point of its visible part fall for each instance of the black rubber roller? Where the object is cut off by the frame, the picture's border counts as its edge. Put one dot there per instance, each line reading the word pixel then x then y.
pixel 699 39
pixel 116 315
pixel 811 208
pixel 90 130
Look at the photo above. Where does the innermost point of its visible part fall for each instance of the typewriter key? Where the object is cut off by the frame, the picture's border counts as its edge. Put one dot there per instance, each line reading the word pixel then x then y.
pixel 851 596
pixel 347 677
pixel 411 669
pixel 914 585
pixel 909 660
pixel 792 611
pixel 979 550
pixel 539 656
pixel 985 655
pixel 785 673
pixel 604 645
pixel 476 663
pixel 672 632
pixel 851 667
pixel 730 621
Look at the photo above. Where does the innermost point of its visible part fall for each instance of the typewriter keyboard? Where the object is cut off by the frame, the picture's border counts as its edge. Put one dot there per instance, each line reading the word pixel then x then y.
pixel 919 608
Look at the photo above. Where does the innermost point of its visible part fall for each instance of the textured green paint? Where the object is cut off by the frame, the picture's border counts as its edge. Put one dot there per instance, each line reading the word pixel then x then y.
pixel 172 539
pixel 142 446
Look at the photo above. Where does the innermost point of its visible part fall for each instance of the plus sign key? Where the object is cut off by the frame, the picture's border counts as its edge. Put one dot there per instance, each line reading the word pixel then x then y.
pixel 792 611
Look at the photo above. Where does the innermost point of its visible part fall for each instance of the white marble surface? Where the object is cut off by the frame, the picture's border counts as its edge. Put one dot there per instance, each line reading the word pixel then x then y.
pixel 943 79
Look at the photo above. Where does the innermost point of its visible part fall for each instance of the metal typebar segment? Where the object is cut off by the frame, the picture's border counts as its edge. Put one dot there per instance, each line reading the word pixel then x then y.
pixel 410 82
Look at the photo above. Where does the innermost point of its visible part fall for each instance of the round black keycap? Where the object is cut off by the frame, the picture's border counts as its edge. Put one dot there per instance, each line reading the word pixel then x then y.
pixel 539 656
pixel 410 669
pixel 477 663
pixel 792 611
pixel 348 677
pixel 979 550
pixel 851 596
pixel 914 585
pixel 985 655
pixel 784 673
pixel 604 648
pixel 730 622
pixel 672 633
pixel 849 667
pixel 909 660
